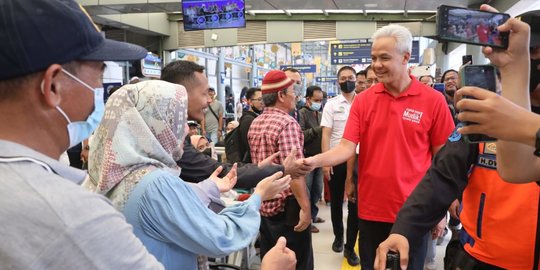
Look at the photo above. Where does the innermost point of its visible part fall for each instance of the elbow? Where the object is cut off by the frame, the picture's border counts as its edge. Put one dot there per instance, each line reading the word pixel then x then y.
pixel 514 176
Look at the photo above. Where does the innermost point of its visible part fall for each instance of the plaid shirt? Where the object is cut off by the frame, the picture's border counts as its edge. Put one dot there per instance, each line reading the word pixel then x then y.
pixel 275 130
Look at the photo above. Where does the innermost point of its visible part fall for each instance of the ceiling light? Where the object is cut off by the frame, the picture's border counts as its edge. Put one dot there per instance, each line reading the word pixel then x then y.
pixel 344 10
pixel 268 11
pixel 305 11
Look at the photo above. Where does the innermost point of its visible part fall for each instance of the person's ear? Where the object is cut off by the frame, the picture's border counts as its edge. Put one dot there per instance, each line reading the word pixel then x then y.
pixel 406 58
pixel 51 85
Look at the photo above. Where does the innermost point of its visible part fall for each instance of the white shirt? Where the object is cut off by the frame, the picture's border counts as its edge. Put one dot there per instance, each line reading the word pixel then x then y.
pixel 335 115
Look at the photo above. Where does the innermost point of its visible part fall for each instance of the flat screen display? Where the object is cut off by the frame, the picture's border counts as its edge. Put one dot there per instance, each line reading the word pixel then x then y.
pixel 213 14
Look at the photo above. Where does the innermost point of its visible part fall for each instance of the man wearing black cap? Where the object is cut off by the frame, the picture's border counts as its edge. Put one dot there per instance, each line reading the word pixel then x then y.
pixel 51 98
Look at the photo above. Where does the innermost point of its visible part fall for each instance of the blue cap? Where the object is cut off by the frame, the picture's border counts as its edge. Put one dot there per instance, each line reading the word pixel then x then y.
pixel 37 33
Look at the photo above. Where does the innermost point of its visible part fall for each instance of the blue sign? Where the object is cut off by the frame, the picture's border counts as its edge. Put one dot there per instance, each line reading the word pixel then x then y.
pixel 360 53
pixel 301 68
pixel 326 79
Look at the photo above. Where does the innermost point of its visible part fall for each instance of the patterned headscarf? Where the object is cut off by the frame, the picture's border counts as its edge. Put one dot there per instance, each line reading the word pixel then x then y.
pixel 143 129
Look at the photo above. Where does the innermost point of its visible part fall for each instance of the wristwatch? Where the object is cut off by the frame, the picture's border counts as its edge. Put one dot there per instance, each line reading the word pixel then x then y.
pixel 537 144
pixel 87 147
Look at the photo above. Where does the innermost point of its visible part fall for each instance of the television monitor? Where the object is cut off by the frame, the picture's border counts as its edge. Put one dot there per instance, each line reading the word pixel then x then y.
pixel 213 14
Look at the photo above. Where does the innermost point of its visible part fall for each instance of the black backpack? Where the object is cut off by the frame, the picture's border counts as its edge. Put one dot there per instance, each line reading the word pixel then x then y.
pixel 232 146
pixel 233 150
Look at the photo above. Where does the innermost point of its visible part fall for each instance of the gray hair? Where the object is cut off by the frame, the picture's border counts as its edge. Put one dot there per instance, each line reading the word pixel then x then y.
pixel 270 99
pixel 401 34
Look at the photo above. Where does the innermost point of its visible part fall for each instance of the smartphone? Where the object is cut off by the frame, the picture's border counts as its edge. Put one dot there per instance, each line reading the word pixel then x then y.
pixel 439 87
pixel 466 59
pixel 392 261
pixel 471 26
pixel 483 76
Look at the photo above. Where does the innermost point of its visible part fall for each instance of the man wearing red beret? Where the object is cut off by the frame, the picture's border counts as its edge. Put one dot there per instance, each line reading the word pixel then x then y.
pixel 275 130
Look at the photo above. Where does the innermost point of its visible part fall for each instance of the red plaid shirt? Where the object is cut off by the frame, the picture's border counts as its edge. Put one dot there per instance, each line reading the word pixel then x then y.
pixel 275 130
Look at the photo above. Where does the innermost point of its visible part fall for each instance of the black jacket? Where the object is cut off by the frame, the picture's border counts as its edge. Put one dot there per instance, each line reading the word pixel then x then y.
pixel 310 122
pixel 197 167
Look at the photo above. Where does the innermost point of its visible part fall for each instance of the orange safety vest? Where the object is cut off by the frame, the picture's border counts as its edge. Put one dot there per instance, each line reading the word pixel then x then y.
pixel 500 219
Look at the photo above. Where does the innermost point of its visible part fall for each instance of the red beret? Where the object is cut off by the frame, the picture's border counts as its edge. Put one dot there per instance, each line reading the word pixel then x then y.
pixel 275 81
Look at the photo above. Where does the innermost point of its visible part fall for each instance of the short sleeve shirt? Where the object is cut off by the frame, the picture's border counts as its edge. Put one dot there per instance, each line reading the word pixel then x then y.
pixel 396 135
pixel 211 122
pixel 335 115
pixel 272 131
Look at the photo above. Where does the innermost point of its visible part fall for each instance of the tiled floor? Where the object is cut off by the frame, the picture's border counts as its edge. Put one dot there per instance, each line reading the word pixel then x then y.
pixel 326 259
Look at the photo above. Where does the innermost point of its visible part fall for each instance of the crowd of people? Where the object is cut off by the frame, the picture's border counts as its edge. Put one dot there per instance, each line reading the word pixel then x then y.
pixel 389 144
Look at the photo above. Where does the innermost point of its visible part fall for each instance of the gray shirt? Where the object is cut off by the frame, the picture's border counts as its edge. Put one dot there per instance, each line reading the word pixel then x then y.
pixel 211 122
pixel 49 222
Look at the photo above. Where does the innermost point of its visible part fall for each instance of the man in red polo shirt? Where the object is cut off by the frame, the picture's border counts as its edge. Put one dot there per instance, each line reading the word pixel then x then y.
pixel 400 124
pixel 275 130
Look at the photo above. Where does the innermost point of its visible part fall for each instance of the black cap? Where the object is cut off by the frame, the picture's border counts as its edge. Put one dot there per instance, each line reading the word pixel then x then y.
pixel 37 33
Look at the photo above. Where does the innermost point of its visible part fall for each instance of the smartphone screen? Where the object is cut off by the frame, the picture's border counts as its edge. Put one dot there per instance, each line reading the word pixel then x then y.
pixel 466 59
pixel 482 76
pixel 439 87
pixel 471 26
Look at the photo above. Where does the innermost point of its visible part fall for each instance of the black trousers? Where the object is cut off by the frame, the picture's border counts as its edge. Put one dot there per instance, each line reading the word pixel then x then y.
pixel 373 233
pixel 299 242
pixel 337 192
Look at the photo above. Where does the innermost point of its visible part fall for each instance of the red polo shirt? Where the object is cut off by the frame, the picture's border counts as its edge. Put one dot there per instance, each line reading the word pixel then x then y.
pixel 396 135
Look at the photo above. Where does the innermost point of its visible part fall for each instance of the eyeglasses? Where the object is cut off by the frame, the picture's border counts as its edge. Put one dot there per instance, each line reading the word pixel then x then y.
pixel 256 99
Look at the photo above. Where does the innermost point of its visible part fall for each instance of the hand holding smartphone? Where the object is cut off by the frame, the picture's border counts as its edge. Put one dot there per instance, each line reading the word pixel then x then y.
pixel 457 24
pixel 482 76
pixel 392 261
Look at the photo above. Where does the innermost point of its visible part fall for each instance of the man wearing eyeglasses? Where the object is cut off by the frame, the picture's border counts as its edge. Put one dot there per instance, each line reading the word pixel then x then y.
pixel 256 106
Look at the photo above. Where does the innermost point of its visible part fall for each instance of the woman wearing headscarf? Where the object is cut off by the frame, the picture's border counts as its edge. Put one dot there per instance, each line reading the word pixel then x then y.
pixel 132 162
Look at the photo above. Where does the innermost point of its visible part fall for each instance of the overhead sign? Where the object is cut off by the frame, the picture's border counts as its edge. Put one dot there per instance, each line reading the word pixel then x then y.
pixel 360 53
pixel 301 68
pixel 326 79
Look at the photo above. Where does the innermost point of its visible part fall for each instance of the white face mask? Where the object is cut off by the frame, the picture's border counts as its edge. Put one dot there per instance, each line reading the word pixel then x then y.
pixel 81 130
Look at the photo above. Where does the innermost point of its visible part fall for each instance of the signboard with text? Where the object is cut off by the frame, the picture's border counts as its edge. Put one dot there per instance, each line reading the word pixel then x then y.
pixel 301 68
pixel 360 53
pixel 325 79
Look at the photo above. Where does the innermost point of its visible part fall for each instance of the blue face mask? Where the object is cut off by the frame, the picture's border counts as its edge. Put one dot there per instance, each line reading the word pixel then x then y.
pixel 81 130
pixel 316 106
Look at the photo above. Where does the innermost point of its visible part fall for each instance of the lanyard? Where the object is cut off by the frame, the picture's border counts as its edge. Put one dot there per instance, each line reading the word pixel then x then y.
pixel 22 159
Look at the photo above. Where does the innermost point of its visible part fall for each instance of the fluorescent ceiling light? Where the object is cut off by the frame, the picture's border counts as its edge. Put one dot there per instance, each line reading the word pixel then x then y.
pixel 384 11
pixel 305 11
pixel 344 10
pixel 267 11
pixel 421 11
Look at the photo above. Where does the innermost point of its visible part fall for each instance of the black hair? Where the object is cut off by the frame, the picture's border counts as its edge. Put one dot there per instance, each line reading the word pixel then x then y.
pixel 251 92
pixel 345 68
pixel 362 72
pixel 311 89
pixel 291 70
pixel 432 78
pixel 446 72
pixel 180 71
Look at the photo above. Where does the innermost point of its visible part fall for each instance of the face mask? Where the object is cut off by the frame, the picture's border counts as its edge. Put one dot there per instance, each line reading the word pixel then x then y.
pixel 315 106
pixel 208 152
pixel 257 111
pixel 297 89
pixel 81 130
pixel 347 86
